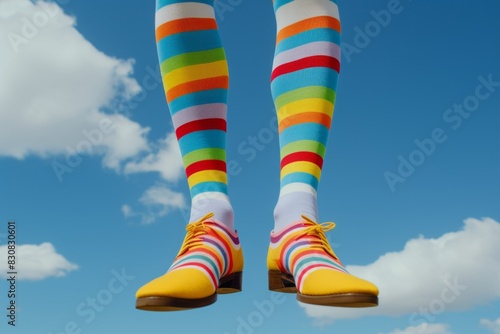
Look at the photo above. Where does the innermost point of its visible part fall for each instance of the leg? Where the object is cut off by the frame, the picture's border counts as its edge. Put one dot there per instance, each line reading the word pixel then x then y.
pixel 303 85
pixel 195 78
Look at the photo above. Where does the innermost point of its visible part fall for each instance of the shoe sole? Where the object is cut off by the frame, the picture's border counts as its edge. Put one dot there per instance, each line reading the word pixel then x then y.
pixel 229 284
pixel 283 282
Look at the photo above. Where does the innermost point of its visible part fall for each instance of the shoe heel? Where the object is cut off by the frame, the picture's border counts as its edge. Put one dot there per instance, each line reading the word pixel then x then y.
pixel 231 283
pixel 281 282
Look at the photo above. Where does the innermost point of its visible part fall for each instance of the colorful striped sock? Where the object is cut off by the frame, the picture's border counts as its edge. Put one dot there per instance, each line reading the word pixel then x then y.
pixel 195 78
pixel 303 85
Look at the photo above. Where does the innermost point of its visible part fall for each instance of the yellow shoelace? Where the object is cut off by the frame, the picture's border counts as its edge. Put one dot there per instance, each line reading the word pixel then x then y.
pixel 319 231
pixel 194 231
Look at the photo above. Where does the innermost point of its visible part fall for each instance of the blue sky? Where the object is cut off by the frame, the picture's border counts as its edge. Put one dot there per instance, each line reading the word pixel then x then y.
pixel 410 177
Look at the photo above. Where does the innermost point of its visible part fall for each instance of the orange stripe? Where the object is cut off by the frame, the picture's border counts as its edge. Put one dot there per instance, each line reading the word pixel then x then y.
pixel 305 117
pixel 198 85
pixel 184 25
pixel 308 24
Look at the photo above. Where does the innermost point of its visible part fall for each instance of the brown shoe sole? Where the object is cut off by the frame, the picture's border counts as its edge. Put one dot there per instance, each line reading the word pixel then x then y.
pixel 228 284
pixel 283 282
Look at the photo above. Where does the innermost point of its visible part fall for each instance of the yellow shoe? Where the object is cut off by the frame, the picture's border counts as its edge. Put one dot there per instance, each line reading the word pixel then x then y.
pixel 210 261
pixel 301 260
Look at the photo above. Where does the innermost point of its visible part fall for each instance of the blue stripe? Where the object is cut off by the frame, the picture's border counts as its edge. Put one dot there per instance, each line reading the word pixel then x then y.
pixel 210 186
pixel 300 177
pixel 290 251
pixel 308 36
pixel 312 76
pixel 202 139
pixel 304 131
pixel 218 95
pixel 304 261
pixel 203 258
pixel 191 41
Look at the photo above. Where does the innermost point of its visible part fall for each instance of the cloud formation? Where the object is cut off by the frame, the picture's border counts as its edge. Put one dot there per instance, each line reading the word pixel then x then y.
pixel 166 160
pixel 37 262
pixel 56 88
pixel 424 328
pixel 457 271
pixel 491 325
pixel 158 201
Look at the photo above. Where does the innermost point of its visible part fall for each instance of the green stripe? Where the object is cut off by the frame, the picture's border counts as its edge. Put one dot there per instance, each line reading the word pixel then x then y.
pixel 304 145
pixel 204 154
pixel 307 260
pixel 304 93
pixel 192 58
pixel 211 263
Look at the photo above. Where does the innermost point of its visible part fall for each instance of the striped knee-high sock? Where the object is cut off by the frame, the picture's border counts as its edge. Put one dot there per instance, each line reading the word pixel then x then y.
pixel 303 85
pixel 195 78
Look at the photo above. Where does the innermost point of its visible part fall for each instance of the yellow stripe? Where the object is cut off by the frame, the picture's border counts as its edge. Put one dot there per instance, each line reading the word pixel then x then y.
pixel 301 166
pixel 305 105
pixel 194 72
pixel 207 176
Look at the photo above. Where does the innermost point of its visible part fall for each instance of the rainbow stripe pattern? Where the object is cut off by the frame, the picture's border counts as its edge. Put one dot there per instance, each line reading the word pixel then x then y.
pixel 303 84
pixel 301 249
pixel 195 78
pixel 210 254
pixel 211 248
pixel 302 252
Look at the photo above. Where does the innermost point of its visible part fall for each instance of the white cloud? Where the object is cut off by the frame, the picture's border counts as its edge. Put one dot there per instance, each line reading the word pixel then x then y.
pixel 454 272
pixel 158 202
pixel 37 262
pixel 55 87
pixel 424 328
pixel 166 160
pixel 491 325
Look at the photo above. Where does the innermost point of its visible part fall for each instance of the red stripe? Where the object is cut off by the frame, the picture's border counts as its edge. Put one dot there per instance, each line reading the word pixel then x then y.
pixel 313 61
pixel 302 156
pixel 210 254
pixel 205 165
pixel 227 249
pixel 200 125
pixel 201 265
pixel 305 271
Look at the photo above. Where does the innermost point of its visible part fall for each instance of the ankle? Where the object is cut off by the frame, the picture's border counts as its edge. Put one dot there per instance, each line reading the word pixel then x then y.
pixel 291 207
pixel 221 208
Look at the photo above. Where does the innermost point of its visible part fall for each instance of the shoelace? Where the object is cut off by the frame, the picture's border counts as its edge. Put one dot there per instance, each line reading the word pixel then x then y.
pixel 194 231
pixel 318 230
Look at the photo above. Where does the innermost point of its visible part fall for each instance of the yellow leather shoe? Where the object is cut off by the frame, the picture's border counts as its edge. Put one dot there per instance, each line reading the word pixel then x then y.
pixel 209 262
pixel 300 260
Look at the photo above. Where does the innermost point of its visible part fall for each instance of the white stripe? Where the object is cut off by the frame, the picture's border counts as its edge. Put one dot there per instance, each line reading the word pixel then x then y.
pixel 299 10
pixel 307 50
pixel 207 275
pixel 298 187
pixel 182 11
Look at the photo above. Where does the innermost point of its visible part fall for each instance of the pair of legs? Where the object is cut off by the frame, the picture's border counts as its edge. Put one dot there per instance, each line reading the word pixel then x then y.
pixel 303 85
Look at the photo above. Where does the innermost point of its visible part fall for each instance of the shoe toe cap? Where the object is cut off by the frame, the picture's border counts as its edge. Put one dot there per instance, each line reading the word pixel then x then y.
pixel 332 282
pixel 181 283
